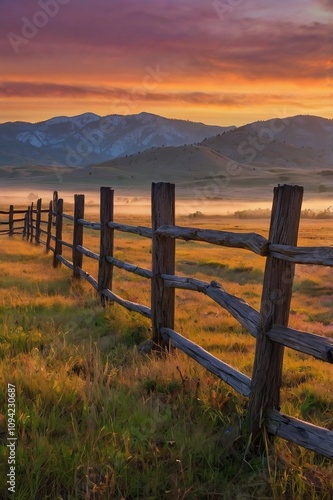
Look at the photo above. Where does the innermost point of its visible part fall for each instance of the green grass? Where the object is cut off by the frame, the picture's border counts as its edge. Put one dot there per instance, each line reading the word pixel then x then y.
pixel 96 419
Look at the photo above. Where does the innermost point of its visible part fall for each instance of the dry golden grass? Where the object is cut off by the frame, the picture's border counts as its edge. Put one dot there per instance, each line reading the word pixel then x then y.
pixel 109 420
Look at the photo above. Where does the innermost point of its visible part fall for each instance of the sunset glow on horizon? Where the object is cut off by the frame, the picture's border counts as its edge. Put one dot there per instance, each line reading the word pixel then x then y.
pixel 220 62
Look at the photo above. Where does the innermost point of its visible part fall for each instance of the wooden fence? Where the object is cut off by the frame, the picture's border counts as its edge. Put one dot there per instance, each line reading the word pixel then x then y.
pixel 269 325
pixel 12 222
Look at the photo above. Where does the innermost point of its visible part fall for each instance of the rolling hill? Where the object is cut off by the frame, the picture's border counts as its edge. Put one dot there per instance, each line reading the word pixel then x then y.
pixel 243 163
pixel 250 160
pixel 81 140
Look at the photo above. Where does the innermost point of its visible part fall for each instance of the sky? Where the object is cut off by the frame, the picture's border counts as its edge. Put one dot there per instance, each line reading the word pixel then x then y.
pixel 222 62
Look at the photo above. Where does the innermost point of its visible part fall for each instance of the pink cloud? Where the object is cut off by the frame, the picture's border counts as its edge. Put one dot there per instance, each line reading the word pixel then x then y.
pixel 19 90
pixel 106 50
pixel 327 4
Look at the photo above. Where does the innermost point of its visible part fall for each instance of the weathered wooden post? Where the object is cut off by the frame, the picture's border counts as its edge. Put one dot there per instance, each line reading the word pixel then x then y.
pixel 25 227
pixel 31 222
pixel 28 222
pixel 38 219
pixel 49 227
pixel 77 234
pixel 58 241
pixel 54 206
pixel 105 270
pixel 11 220
pixel 275 306
pixel 163 261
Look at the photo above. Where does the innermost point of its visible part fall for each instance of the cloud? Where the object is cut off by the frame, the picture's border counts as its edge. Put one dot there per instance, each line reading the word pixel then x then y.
pixel 201 58
pixel 123 97
pixel 45 89
pixel 327 4
pixel 124 37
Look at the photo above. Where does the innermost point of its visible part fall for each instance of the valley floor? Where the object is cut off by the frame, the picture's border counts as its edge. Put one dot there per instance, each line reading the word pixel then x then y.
pixel 97 419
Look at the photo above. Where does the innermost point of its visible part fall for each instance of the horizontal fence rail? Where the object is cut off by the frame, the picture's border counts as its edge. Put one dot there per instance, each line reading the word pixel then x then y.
pixel 131 268
pixel 141 231
pixel 251 241
pixel 302 433
pixel 320 256
pixel 238 308
pixel 241 383
pixel 268 326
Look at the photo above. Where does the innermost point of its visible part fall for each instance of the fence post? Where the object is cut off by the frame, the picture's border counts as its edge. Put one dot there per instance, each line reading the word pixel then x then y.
pixel 54 206
pixel 58 241
pixel 49 228
pixel 38 219
pixel 105 270
pixel 31 222
pixel 28 222
pixel 25 229
pixel 11 220
pixel 163 261
pixel 275 306
pixel 77 234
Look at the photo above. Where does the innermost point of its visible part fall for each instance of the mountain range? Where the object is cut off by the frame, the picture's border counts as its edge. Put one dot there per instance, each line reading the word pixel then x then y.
pixel 204 162
pixel 88 138
pixel 245 162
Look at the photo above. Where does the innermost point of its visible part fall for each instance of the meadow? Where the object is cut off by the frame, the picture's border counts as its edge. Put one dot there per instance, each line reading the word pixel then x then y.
pixel 97 419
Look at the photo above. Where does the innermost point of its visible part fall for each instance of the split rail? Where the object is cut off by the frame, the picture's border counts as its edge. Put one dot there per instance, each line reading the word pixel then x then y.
pixel 269 325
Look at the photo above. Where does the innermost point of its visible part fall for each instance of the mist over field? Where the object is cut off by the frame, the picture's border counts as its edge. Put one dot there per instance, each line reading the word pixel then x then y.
pixel 234 170
pixel 139 203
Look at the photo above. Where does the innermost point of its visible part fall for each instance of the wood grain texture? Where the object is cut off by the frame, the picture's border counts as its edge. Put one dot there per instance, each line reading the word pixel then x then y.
pixel 321 256
pixel 90 225
pixel 49 228
pixel 131 268
pixel 237 307
pixel 87 252
pixel 275 306
pixel 241 383
pixel 58 235
pixel 131 306
pixel 11 220
pixel 308 343
pixel 250 241
pixel 163 261
pixel 105 268
pixel 310 436
pixel 77 256
pixel 38 220
pixel 31 222
pixel 140 230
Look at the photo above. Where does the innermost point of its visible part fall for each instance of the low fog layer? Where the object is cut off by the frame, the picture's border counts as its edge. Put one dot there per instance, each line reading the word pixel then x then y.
pixel 139 203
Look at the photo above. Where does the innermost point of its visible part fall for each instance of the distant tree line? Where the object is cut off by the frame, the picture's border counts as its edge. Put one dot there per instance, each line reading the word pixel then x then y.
pixel 262 213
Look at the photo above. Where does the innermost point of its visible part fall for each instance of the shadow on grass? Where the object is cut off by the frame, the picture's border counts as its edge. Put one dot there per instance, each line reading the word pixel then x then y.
pixel 240 274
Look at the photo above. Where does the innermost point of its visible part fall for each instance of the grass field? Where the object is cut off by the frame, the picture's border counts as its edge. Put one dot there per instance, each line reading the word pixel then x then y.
pixel 96 419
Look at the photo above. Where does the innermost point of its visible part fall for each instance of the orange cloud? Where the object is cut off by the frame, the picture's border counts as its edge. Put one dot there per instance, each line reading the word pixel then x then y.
pixel 166 54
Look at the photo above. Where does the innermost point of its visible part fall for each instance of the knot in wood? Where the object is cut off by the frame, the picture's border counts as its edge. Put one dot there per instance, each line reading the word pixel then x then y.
pixel 215 284
pixel 275 295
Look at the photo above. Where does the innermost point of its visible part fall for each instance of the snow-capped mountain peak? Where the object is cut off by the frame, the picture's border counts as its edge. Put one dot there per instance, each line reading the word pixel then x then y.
pixel 89 138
